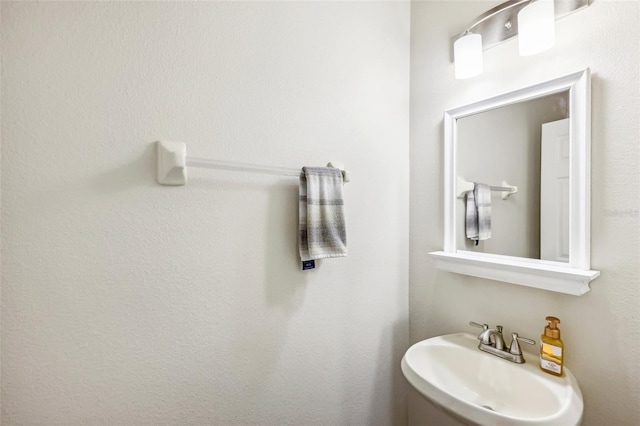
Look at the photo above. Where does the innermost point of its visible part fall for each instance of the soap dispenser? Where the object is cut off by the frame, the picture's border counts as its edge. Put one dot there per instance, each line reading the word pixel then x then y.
pixel 551 348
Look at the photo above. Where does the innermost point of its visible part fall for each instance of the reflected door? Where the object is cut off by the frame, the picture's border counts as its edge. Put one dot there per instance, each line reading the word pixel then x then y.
pixel 554 191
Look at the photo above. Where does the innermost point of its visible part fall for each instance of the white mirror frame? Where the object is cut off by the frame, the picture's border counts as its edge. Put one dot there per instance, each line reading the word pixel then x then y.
pixel 572 277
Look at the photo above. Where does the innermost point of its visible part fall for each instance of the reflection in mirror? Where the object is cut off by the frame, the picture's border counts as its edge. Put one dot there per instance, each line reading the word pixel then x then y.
pixel 527 145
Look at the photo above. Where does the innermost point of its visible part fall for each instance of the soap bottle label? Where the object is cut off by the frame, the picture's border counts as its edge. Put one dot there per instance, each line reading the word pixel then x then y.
pixel 551 358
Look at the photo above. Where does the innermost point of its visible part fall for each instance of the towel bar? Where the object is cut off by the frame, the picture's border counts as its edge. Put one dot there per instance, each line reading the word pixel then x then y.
pixel 462 187
pixel 173 162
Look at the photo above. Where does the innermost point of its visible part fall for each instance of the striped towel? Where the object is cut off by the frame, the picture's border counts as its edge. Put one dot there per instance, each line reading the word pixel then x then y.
pixel 322 231
pixel 478 213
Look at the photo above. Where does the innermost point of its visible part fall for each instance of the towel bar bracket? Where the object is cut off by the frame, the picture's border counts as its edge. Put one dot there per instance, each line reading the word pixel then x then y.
pixel 172 163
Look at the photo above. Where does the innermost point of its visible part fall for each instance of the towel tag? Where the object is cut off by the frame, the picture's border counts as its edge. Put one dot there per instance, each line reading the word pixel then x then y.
pixel 308 264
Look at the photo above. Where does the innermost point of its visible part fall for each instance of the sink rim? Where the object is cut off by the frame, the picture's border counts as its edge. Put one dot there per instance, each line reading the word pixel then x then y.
pixel 569 412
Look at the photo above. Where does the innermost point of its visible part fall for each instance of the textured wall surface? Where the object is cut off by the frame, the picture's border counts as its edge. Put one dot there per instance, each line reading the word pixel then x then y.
pixel 128 303
pixel 601 329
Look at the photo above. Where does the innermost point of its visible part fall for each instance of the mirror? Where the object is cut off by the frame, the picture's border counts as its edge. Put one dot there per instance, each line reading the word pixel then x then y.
pixel 533 223
pixel 532 147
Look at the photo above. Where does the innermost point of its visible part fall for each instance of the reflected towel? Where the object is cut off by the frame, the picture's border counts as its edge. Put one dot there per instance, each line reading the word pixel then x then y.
pixel 322 231
pixel 478 213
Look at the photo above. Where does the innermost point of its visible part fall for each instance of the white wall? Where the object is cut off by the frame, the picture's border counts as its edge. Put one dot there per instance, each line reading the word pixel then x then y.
pixel 601 328
pixel 128 303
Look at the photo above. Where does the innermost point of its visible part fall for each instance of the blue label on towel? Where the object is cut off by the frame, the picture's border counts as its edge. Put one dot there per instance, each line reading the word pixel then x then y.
pixel 308 264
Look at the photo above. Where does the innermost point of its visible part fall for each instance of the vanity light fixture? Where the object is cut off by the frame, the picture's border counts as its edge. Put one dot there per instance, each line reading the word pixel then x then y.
pixel 532 20
pixel 468 55
pixel 537 27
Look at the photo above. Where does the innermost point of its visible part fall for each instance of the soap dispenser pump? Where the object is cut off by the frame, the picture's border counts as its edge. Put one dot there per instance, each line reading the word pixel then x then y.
pixel 551 348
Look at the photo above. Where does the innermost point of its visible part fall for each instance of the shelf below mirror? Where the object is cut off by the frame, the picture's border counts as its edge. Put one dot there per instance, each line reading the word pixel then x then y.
pixel 553 276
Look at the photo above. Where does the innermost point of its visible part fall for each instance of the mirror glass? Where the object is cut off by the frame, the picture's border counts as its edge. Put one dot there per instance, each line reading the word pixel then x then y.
pixel 523 144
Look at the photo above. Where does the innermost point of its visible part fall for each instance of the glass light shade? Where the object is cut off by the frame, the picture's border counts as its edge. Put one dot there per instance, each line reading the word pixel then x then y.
pixel 467 52
pixel 536 27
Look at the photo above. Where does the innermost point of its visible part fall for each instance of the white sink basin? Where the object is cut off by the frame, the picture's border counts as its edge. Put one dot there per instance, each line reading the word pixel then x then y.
pixel 484 389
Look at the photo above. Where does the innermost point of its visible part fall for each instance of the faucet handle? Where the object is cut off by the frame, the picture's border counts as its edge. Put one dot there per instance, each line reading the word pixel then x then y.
pixel 515 347
pixel 484 327
pixel 499 328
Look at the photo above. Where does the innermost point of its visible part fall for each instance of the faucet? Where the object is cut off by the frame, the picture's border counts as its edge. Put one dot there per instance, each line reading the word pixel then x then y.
pixel 498 340
pixel 491 341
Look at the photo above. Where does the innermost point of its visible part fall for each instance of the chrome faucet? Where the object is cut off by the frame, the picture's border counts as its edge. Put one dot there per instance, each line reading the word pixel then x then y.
pixel 491 341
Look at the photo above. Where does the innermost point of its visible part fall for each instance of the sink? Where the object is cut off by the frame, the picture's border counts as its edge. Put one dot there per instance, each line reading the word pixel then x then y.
pixel 479 388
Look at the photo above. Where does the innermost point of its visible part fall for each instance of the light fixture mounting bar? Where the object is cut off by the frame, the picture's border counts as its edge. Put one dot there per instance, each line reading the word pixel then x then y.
pixel 501 23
